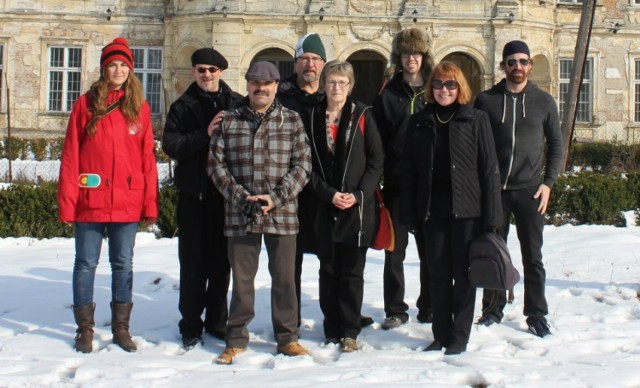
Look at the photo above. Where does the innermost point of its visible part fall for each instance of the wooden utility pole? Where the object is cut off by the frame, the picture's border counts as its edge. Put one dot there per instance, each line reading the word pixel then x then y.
pixel 577 72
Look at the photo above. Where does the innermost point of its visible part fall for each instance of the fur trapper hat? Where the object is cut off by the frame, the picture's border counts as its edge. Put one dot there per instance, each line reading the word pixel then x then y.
pixel 410 40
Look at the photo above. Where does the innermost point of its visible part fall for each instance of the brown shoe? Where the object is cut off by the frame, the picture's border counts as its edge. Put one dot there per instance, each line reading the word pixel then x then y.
pixel 226 357
pixel 348 345
pixel 293 349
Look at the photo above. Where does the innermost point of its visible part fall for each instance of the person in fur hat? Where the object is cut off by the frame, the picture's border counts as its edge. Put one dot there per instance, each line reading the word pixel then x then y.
pixel 411 64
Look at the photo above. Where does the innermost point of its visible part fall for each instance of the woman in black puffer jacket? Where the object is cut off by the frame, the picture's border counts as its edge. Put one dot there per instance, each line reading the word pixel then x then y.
pixel 450 192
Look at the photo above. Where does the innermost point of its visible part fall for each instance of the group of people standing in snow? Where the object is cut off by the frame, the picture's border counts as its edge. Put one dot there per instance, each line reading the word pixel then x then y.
pixel 296 163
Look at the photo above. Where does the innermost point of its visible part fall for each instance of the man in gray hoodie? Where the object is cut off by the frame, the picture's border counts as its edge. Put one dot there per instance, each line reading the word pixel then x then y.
pixel 523 118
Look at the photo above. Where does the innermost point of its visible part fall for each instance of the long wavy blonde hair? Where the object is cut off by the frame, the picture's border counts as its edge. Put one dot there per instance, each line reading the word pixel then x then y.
pixel 130 103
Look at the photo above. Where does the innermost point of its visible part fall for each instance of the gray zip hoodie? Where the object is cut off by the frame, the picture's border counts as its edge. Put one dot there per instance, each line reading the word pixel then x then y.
pixel 521 123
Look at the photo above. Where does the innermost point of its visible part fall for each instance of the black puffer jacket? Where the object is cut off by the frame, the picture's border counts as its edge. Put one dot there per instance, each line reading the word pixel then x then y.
pixel 475 179
pixel 185 138
pixel 356 168
pixel 392 108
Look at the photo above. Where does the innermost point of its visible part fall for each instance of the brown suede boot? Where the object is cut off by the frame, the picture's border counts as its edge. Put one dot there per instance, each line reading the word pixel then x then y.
pixel 120 314
pixel 84 319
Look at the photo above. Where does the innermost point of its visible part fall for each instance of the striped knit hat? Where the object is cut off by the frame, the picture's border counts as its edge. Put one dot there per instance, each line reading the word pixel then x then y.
pixel 118 50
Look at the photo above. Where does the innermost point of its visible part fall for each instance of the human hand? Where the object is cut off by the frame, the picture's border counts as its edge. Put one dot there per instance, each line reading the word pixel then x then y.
pixel 543 194
pixel 264 201
pixel 343 201
pixel 213 125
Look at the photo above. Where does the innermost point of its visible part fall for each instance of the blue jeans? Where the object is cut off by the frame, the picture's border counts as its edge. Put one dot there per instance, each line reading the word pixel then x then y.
pixel 88 238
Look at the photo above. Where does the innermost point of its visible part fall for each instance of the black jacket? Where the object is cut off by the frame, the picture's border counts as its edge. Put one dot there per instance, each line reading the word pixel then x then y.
pixel 392 108
pixel 475 179
pixel 521 123
pixel 292 97
pixel 185 138
pixel 356 168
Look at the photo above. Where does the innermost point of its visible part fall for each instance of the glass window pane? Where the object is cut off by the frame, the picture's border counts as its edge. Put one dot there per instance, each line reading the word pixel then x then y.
pixel 73 89
pixel 56 57
pixel 138 58
pixel 55 91
pixel 75 57
pixel 155 59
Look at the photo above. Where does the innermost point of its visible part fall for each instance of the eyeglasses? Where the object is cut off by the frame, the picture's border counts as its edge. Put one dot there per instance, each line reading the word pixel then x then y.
pixel 407 55
pixel 522 61
pixel 450 85
pixel 307 60
pixel 211 69
pixel 339 84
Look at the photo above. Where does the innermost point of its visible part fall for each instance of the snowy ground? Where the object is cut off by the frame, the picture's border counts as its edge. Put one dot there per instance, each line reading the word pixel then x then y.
pixel 593 277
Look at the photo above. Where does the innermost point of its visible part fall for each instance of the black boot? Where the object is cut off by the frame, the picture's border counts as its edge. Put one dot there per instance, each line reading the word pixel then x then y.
pixel 84 319
pixel 120 314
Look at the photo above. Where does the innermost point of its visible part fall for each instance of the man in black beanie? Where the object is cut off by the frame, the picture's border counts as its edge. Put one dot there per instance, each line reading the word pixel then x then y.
pixel 527 131
pixel 202 247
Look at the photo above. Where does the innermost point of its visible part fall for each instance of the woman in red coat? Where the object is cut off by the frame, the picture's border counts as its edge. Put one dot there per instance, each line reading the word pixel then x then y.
pixel 108 182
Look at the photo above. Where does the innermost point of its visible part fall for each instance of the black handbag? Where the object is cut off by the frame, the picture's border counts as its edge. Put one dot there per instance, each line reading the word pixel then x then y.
pixel 490 263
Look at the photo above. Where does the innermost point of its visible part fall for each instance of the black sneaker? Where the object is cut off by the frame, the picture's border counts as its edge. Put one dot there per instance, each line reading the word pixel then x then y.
pixel 434 346
pixel 486 320
pixel 538 326
pixel 191 342
pixel 331 341
pixel 425 316
pixel 365 321
pixel 455 349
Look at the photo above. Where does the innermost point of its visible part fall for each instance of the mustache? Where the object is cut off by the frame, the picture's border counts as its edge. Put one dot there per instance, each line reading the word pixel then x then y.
pixel 261 93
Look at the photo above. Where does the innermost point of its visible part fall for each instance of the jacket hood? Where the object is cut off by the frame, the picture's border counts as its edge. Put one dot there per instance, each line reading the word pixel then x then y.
pixel 501 87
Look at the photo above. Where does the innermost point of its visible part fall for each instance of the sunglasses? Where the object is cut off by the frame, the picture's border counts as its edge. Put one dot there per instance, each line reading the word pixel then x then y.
pixel 211 69
pixel 522 61
pixel 450 85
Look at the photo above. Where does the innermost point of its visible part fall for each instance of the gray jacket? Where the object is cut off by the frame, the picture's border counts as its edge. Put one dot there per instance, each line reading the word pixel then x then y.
pixel 521 123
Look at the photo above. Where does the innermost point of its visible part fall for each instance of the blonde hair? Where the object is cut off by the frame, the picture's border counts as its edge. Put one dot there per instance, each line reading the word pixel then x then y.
pixel 449 70
pixel 341 68
pixel 130 103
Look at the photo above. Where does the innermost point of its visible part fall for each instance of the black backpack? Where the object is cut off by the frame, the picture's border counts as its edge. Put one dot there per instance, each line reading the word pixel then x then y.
pixel 490 263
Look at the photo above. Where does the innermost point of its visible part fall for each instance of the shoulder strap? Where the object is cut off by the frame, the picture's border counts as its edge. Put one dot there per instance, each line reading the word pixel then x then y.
pixel 111 107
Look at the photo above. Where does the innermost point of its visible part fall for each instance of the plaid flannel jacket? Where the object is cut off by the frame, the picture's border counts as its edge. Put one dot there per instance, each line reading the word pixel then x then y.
pixel 251 157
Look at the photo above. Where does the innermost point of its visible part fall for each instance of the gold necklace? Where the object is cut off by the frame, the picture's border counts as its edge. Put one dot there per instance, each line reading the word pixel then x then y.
pixel 445 121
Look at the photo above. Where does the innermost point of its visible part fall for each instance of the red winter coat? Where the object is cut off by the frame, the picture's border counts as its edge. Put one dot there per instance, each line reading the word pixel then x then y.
pixel 122 157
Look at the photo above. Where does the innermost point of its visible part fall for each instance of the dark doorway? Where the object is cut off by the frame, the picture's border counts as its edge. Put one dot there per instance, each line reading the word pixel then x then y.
pixel 368 67
pixel 278 57
pixel 469 68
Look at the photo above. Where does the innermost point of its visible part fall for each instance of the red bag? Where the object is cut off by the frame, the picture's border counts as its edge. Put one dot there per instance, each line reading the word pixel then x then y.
pixel 385 235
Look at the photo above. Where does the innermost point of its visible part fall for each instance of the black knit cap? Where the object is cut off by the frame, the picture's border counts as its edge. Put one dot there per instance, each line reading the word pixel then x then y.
pixel 209 56
pixel 515 47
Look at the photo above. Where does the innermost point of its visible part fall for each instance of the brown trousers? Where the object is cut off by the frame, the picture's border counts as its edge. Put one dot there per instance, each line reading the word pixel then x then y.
pixel 244 254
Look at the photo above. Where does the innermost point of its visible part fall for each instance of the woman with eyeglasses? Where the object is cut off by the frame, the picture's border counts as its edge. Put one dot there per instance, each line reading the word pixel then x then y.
pixel 450 192
pixel 347 165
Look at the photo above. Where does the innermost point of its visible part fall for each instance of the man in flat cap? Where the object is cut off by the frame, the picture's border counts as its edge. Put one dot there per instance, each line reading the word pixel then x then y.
pixel 260 160
pixel 526 129
pixel 202 247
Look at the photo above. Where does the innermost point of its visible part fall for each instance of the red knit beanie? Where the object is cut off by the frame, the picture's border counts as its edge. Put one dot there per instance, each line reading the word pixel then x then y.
pixel 116 50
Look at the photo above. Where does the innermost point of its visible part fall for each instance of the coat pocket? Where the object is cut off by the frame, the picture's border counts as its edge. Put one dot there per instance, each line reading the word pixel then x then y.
pixel 135 198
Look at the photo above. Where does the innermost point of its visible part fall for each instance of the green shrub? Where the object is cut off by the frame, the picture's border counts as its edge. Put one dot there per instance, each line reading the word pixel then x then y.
pixel 592 198
pixel 167 222
pixel 31 211
pixel 604 157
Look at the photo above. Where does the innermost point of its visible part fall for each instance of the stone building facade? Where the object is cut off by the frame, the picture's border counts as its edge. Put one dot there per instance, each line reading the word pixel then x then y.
pixel 50 49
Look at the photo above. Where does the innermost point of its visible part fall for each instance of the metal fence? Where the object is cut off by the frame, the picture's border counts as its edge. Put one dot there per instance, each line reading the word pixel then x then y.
pixel 31 154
